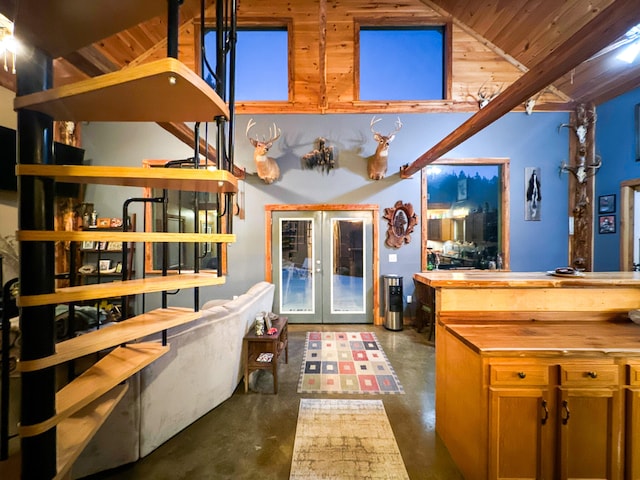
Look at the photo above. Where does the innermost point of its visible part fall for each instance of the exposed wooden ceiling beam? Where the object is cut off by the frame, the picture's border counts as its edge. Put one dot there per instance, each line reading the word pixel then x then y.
pixel 604 29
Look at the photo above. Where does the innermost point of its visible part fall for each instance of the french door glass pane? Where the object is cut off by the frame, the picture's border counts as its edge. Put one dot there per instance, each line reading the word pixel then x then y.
pixel 296 262
pixel 347 266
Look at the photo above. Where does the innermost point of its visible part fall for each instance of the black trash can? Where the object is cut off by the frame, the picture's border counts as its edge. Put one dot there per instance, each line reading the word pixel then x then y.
pixel 392 302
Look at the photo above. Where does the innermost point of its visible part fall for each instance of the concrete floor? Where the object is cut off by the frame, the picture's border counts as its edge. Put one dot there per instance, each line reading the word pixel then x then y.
pixel 250 436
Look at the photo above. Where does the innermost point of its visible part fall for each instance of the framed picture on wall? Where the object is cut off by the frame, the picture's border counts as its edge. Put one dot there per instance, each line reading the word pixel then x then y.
pixel 462 189
pixel 607 203
pixel 607 224
pixel 533 194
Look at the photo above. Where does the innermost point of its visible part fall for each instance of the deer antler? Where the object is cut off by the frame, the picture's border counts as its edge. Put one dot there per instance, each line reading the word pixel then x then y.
pixel 375 120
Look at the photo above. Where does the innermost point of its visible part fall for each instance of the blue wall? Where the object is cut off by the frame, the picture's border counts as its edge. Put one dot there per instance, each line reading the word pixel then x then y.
pixel 616 144
pixel 528 141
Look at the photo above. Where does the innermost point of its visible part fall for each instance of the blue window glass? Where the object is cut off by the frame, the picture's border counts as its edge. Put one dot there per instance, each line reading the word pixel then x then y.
pixel 403 63
pixel 261 64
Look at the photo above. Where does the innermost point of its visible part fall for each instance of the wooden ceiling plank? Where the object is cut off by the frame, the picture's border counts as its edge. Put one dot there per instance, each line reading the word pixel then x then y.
pixel 547 33
pixel 491 46
pixel 590 39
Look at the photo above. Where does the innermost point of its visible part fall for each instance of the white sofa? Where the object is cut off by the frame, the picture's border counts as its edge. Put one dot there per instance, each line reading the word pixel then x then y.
pixel 201 370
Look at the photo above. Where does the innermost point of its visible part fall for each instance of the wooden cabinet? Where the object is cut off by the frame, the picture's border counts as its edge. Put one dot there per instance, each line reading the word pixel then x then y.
pixel 632 425
pixel 571 430
pixel 590 418
pixel 521 427
pixel 440 229
pixel 543 414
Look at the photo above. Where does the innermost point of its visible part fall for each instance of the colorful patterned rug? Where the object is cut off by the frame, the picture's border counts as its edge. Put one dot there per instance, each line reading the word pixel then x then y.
pixel 346 440
pixel 346 362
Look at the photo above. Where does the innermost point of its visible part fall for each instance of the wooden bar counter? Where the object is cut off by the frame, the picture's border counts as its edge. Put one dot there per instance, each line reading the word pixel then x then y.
pixel 475 295
pixel 538 376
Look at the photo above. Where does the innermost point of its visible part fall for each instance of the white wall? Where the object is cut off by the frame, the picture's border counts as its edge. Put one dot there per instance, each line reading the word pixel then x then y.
pixel 8 200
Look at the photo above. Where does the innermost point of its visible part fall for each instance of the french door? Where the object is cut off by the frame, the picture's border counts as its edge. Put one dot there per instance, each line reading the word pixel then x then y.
pixel 322 264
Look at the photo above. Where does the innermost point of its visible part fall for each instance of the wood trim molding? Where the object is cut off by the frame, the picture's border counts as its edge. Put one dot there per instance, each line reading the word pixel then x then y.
pixel 627 224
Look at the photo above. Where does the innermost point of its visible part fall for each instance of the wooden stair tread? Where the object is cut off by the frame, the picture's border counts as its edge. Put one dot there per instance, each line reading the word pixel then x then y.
pixel 101 377
pixel 119 236
pixel 120 288
pixel 119 333
pixel 186 179
pixel 74 433
pixel 164 90
pixel 40 23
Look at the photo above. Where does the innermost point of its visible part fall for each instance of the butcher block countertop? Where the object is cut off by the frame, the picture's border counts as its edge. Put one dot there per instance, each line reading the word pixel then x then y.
pixel 524 338
pixel 498 279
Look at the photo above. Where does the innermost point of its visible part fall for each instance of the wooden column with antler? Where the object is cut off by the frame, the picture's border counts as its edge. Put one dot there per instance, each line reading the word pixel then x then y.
pixel 582 167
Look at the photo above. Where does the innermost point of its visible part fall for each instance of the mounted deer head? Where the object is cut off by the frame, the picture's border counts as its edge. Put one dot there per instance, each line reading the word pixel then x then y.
pixel 484 96
pixel 267 167
pixel 377 166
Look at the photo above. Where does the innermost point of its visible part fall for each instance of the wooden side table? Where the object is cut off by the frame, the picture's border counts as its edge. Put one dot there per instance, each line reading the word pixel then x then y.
pixel 254 345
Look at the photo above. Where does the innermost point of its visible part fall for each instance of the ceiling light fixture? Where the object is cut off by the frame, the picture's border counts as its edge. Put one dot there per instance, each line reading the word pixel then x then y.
pixel 632 49
pixel 8 43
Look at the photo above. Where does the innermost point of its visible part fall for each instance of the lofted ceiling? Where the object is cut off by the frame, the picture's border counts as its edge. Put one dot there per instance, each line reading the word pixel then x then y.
pixel 523 32
pixel 527 31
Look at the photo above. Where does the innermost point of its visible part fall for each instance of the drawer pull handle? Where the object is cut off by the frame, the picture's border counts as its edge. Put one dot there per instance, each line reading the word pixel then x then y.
pixel 566 413
pixel 544 419
pixel 592 374
pixel 522 375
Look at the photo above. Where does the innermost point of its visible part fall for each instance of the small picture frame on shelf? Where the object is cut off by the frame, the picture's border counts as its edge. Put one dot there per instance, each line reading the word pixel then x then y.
pixel 104 265
pixel 115 223
pixel 87 245
pixel 119 267
pixel 103 222
pixel 267 322
pixel 114 246
pixel 102 245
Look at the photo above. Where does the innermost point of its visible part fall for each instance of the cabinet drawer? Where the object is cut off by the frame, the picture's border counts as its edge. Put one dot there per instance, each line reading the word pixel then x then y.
pixel 519 375
pixel 589 375
pixel 634 374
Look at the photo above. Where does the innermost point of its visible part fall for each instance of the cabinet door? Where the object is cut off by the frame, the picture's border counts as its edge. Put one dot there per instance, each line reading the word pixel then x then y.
pixel 521 434
pixel 632 444
pixel 590 433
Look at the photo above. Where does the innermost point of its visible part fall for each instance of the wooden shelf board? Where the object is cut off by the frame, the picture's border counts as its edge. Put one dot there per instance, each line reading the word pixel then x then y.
pixel 116 236
pixel 122 332
pixel 40 23
pixel 101 377
pixel 73 434
pixel 164 90
pixel 121 288
pixel 186 179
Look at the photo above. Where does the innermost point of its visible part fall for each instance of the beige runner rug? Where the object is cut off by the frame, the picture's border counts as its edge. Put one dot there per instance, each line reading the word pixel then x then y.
pixel 346 440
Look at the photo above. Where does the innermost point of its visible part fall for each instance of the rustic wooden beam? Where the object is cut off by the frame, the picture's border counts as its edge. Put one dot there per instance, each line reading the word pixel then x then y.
pixel 604 29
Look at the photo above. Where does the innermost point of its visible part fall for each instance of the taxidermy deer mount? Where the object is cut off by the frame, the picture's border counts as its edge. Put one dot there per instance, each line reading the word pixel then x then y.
pixel 485 96
pixel 377 164
pixel 267 167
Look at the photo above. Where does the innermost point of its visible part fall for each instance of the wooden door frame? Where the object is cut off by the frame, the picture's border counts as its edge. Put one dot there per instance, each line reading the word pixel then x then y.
pixel 372 208
pixel 627 207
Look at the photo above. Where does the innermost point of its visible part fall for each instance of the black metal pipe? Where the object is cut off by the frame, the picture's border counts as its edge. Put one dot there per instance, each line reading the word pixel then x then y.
pixel 125 249
pixel 173 17
pixel 37 266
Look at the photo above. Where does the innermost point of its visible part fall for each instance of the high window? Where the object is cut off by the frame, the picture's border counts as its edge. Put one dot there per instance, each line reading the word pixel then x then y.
pixel 262 72
pixel 402 63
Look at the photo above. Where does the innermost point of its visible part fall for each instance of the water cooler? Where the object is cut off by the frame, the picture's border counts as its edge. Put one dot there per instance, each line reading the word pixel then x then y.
pixel 392 302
